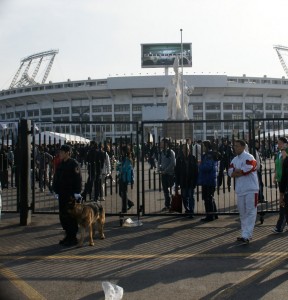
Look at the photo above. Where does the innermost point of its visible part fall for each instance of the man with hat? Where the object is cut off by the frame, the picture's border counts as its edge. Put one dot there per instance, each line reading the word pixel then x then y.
pixel 67 181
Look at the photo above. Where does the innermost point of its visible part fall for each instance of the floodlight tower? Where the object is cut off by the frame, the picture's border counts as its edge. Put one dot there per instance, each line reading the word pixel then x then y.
pixel 282 49
pixel 25 65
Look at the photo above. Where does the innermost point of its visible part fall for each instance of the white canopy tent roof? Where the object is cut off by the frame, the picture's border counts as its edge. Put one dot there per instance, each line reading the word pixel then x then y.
pixel 278 133
pixel 59 138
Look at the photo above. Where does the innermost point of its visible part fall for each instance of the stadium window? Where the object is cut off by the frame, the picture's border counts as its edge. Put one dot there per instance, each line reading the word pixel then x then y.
pixel 10 115
pixel 237 106
pixel 212 106
pixel 198 116
pixel 237 116
pixel 107 108
pixel 61 110
pixel 137 107
pixel 20 114
pixel 107 118
pixel 136 118
pixel 213 126
pixel 277 106
pixel 46 112
pixel 197 106
pixel 33 113
pixel 227 106
pixel 213 116
pixel 121 107
pixel 96 108
pixel 122 118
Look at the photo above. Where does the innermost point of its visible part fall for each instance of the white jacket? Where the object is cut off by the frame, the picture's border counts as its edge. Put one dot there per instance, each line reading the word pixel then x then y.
pixel 248 183
pixel 106 170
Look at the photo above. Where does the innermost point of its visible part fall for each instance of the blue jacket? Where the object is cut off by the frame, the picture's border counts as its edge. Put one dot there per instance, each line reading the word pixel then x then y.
pixel 208 169
pixel 126 172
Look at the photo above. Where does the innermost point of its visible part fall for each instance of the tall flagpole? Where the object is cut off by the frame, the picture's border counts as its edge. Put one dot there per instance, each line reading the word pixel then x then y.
pixel 182 85
pixel 182 89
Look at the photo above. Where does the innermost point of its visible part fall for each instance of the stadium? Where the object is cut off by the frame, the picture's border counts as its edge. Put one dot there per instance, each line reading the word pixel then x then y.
pixel 135 108
pixel 104 105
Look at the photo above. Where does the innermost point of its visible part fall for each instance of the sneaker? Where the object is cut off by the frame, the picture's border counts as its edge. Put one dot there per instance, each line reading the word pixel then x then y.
pixel 275 230
pixel 130 204
pixel 243 240
pixel 83 195
pixel 63 241
pixel 165 209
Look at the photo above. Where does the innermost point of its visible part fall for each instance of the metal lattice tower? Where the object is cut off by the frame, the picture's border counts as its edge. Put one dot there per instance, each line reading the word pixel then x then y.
pixel 26 68
pixel 281 50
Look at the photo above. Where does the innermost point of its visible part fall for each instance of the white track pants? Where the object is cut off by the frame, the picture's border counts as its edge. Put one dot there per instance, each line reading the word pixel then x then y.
pixel 247 207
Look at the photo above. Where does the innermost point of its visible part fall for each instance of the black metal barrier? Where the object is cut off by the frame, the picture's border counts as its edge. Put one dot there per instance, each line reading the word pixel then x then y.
pixel 144 138
pixel 8 179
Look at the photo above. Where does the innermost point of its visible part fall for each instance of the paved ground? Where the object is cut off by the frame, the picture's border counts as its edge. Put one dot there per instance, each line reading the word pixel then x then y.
pixel 167 258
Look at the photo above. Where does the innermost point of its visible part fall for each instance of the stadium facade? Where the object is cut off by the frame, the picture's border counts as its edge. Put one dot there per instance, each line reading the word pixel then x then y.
pixel 140 98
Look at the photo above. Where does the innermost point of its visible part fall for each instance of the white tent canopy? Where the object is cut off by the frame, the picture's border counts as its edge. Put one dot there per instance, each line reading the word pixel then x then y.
pixel 277 133
pixel 59 138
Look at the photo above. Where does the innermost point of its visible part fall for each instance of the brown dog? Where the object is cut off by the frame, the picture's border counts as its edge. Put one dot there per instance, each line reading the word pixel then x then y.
pixel 87 215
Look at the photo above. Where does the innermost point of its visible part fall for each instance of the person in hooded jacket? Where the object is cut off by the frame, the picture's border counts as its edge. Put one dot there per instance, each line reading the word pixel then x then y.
pixel 207 178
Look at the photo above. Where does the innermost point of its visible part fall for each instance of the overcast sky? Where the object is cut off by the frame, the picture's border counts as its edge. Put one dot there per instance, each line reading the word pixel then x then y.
pixel 101 38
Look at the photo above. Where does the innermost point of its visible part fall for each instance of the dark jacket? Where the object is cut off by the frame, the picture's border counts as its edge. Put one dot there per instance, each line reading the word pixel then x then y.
pixel 67 179
pixel 186 171
pixel 283 184
pixel 95 159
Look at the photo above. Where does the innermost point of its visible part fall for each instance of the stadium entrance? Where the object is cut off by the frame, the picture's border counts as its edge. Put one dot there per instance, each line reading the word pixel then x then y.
pixel 27 179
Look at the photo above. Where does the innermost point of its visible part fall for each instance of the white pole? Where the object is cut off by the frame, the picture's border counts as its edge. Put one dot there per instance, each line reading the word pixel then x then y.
pixel 182 87
pixel 182 90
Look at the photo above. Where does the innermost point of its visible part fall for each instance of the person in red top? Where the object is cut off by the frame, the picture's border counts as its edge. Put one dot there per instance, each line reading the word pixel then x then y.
pixel 243 169
pixel 56 161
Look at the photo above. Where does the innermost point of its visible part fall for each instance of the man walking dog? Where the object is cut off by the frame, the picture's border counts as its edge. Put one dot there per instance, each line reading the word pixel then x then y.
pixel 67 181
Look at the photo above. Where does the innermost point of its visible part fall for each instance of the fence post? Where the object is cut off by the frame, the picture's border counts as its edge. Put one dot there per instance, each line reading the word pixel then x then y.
pixel 24 152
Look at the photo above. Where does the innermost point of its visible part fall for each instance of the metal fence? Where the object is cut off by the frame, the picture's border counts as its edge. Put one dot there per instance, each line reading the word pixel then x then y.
pixel 143 138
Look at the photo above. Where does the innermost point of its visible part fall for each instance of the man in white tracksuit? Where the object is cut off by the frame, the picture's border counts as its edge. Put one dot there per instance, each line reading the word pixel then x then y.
pixel 243 168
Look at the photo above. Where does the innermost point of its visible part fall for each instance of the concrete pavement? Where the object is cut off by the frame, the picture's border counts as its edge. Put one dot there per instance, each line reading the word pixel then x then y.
pixel 169 257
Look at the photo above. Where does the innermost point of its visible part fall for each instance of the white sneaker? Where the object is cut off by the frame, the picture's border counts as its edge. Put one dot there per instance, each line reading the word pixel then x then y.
pixel 275 230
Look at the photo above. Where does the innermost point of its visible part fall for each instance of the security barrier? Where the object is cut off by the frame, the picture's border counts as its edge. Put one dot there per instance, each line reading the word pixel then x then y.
pixel 144 139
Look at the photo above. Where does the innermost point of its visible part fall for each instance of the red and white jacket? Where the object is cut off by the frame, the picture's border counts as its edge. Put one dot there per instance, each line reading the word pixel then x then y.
pixel 248 183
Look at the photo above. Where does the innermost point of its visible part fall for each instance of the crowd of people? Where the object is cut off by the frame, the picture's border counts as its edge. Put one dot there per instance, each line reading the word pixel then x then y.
pixel 182 167
pixel 205 164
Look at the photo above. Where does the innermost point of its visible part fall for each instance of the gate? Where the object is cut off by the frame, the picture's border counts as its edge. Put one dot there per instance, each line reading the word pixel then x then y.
pixel 143 138
pixel 219 132
pixel 47 141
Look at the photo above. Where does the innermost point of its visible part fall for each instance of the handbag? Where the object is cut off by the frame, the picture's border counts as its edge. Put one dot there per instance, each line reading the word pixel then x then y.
pixel 176 203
